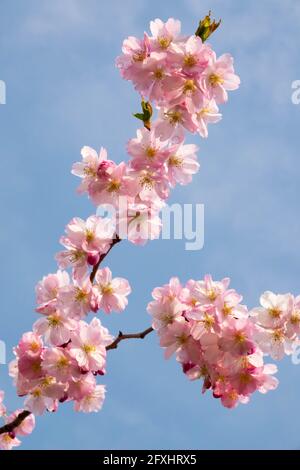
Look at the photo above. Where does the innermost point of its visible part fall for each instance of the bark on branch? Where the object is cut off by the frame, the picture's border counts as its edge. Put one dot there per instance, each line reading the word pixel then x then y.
pixel 10 427
pixel 122 336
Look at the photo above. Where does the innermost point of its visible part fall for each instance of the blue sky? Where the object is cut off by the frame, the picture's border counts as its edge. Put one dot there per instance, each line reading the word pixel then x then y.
pixel 63 92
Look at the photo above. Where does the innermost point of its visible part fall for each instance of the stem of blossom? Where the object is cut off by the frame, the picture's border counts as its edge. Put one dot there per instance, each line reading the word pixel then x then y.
pixel 7 428
pixel 15 423
pixel 121 337
pixel 95 268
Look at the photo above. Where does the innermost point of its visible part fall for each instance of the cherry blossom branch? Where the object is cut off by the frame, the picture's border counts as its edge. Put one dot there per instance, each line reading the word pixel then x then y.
pixel 95 268
pixel 122 336
pixel 10 427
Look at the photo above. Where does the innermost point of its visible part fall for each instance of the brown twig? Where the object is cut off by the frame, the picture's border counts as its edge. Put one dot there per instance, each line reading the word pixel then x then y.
pixel 122 336
pixel 10 427
pixel 95 268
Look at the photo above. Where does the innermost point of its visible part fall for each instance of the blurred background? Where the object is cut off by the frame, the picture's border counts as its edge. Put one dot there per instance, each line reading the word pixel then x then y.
pixel 63 92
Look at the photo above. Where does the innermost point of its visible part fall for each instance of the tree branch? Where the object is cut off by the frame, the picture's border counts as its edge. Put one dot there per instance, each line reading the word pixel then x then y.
pixel 95 268
pixel 121 337
pixel 10 427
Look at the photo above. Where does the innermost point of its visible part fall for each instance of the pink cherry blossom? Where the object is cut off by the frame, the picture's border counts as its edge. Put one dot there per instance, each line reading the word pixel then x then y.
pixel 89 167
pixel 56 328
pixel 152 185
pixel 135 54
pixel 219 77
pixel 44 396
pixel 172 122
pixel 81 387
pixel 293 320
pixel 93 401
pixel 30 345
pixel 140 222
pixel 110 294
pixel 193 56
pixel 118 182
pixel 92 236
pixel 2 406
pixel 175 336
pixel 182 164
pixel 207 114
pixel 75 299
pixel 164 314
pixel 165 35
pixel 88 345
pixel 7 442
pixel 146 150
pixel 274 311
pixel 58 363
pixel 47 290
pixel 184 89
pixel 238 337
pixel 171 291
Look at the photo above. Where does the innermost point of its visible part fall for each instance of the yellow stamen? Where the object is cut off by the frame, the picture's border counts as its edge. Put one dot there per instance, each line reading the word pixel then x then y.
pixel 147 181
pixel 215 80
pixel 274 312
pixel 278 335
pixel 158 74
pixel 53 321
pixel 139 56
pixel 80 296
pixel 227 310
pixel 89 235
pixel 88 348
pixel 189 60
pixel 34 346
pixel 113 186
pixel 189 87
pixel 208 321
pixel 150 152
pixel 174 117
pixel 164 42
pixel 107 289
pixel 212 295
pixel 239 337
pixel 88 171
pixel 295 317
pixel 175 161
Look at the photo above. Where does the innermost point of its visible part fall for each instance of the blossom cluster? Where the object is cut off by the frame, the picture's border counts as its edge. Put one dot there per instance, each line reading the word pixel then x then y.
pixel 217 339
pixel 9 440
pixel 185 81
pixel 60 359
pixel 181 75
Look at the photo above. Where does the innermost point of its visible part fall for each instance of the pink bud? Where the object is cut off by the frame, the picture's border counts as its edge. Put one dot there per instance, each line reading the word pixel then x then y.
pixel 93 258
pixel 103 167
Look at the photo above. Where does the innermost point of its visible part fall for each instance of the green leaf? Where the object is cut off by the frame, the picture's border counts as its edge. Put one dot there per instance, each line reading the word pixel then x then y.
pixel 206 27
pixel 139 116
